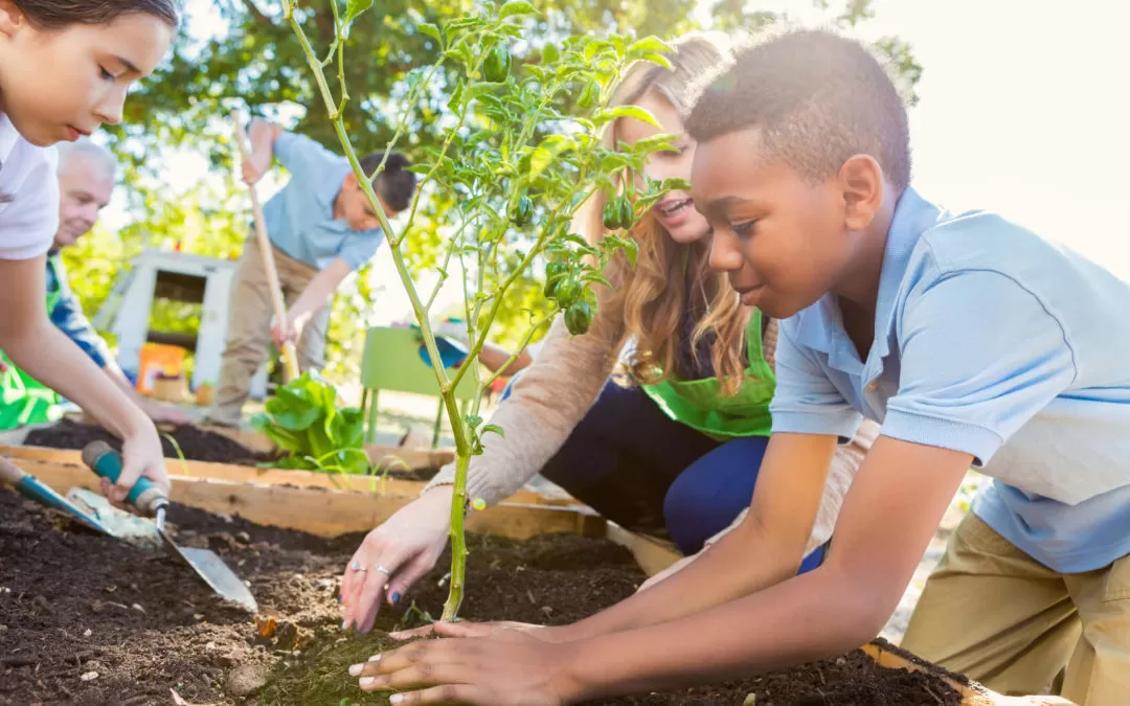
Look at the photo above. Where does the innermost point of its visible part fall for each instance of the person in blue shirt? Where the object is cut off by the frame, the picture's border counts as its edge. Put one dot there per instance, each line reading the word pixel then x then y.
pixel 321 227
pixel 971 340
pixel 86 182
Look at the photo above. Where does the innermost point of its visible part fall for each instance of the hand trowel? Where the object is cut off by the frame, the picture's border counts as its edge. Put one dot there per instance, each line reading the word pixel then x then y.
pixel 148 499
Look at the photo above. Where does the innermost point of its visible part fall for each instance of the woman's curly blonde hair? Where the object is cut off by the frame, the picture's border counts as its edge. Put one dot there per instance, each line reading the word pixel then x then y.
pixel 654 293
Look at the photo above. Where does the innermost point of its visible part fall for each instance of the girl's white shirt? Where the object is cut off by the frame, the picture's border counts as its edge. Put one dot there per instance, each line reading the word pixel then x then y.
pixel 29 217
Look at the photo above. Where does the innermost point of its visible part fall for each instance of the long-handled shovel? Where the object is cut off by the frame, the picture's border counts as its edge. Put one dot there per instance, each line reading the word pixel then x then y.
pixel 289 355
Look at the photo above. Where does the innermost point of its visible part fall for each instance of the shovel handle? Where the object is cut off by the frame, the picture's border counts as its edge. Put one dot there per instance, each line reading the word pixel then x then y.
pixel 145 495
pixel 289 354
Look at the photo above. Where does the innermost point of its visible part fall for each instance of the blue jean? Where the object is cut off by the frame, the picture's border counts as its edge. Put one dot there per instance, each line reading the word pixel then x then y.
pixel 643 470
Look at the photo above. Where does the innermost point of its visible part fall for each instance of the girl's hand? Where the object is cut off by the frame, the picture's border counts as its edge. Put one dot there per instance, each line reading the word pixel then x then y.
pixel 141 456
pixel 517 670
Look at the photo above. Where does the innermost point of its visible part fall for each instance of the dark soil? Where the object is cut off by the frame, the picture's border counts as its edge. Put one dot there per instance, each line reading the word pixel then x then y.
pixel 85 619
pixel 195 444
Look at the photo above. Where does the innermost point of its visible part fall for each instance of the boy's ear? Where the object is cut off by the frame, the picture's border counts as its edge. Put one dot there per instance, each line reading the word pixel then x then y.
pixel 861 182
pixel 11 19
pixel 349 183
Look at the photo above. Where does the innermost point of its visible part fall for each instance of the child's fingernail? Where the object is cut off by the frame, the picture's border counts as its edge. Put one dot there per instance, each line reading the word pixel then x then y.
pixel 355 670
pixel 396 698
pixel 394 598
pixel 375 658
pixel 345 624
pixel 367 681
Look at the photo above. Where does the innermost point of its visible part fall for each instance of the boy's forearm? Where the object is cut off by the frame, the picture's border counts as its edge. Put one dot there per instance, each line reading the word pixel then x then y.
pixel 320 290
pixel 809 617
pixel 742 562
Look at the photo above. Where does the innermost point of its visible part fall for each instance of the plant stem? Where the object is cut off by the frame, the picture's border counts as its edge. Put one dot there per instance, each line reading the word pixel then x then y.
pixel 458 540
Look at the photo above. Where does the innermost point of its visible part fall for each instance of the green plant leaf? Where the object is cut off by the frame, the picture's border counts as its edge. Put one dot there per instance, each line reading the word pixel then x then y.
pixel 353 8
pixel 493 429
pixel 626 111
pixel 647 45
pixel 516 7
pixel 548 151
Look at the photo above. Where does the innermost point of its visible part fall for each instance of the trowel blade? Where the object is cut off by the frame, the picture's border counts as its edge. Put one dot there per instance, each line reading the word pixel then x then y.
pixel 209 566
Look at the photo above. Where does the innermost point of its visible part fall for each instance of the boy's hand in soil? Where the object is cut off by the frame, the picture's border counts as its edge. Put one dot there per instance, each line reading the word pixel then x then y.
pixel 394 556
pixel 512 670
pixel 464 628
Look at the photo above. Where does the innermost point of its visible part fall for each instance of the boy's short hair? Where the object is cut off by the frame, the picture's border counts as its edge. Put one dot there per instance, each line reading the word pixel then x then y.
pixel 395 184
pixel 817 98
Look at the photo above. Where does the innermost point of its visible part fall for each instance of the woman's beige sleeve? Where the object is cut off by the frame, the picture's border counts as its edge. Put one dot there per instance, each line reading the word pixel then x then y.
pixel 547 401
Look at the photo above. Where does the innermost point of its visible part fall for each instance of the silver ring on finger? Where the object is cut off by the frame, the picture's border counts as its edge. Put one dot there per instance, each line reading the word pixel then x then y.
pixel 358 566
pixel 381 568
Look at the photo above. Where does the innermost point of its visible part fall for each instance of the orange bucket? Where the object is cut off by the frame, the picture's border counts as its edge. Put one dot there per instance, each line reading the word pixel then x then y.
pixel 157 359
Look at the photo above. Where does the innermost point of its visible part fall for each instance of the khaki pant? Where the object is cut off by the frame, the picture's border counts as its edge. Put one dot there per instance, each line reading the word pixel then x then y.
pixel 995 614
pixel 249 327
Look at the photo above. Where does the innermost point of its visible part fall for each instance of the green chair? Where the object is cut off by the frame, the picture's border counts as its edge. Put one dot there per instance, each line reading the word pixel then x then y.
pixel 391 361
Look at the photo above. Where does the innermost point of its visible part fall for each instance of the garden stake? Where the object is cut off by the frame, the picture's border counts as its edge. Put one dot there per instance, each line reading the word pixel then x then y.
pixel 148 498
pixel 289 355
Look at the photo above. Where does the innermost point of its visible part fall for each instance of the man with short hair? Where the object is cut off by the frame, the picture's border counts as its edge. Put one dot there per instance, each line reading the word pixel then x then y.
pixel 86 182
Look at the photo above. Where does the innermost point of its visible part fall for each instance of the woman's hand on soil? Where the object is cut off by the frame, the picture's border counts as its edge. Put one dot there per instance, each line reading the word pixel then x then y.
pixel 517 670
pixel 141 456
pixel 406 546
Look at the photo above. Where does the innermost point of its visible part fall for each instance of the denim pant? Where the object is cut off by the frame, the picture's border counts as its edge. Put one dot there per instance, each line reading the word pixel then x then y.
pixel 641 469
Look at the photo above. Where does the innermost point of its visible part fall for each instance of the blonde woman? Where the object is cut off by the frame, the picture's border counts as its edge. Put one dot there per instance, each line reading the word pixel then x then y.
pixel 677 449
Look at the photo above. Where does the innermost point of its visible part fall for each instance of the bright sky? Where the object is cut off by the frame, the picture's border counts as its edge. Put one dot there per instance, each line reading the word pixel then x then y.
pixel 1019 111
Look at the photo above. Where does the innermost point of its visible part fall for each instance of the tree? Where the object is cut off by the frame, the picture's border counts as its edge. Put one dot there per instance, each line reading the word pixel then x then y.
pixel 256 63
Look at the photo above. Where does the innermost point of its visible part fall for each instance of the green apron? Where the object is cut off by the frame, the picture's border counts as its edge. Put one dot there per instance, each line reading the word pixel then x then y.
pixel 23 399
pixel 701 405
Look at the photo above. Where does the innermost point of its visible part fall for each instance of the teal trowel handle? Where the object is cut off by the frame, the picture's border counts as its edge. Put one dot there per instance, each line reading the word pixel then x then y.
pixel 145 495
pixel 31 487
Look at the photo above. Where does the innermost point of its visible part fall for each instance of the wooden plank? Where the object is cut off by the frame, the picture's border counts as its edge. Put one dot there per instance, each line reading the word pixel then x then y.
pixel 653 555
pixel 394 457
pixel 324 511
pixel 274 476
pixel 972 694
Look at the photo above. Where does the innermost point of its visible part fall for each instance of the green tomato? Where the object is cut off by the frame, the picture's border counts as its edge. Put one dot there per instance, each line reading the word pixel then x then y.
pixel 578 317
pixel 567 292
pixel 522 212
pixel 554 272
pixel 496 67
pixel 611 215
pixel 627 213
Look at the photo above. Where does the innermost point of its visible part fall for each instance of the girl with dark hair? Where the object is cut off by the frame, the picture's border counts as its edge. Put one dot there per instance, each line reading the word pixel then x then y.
pixel 65 68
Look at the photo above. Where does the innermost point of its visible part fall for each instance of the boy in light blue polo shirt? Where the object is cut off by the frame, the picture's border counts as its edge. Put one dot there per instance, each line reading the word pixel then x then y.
pixel 972 341
pixel 321 227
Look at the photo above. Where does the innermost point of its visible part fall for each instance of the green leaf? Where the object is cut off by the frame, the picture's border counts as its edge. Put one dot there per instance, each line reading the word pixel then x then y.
pixel 647 45
pixel 430 30
pixel 660 59
pixel 548 151
pixel 626 111
pixel 516 7
pixel 493 429
pixel 353 8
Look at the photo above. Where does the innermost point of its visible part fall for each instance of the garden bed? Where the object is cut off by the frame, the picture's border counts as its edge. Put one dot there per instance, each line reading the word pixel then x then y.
pixel 232 446
pixel 89 620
